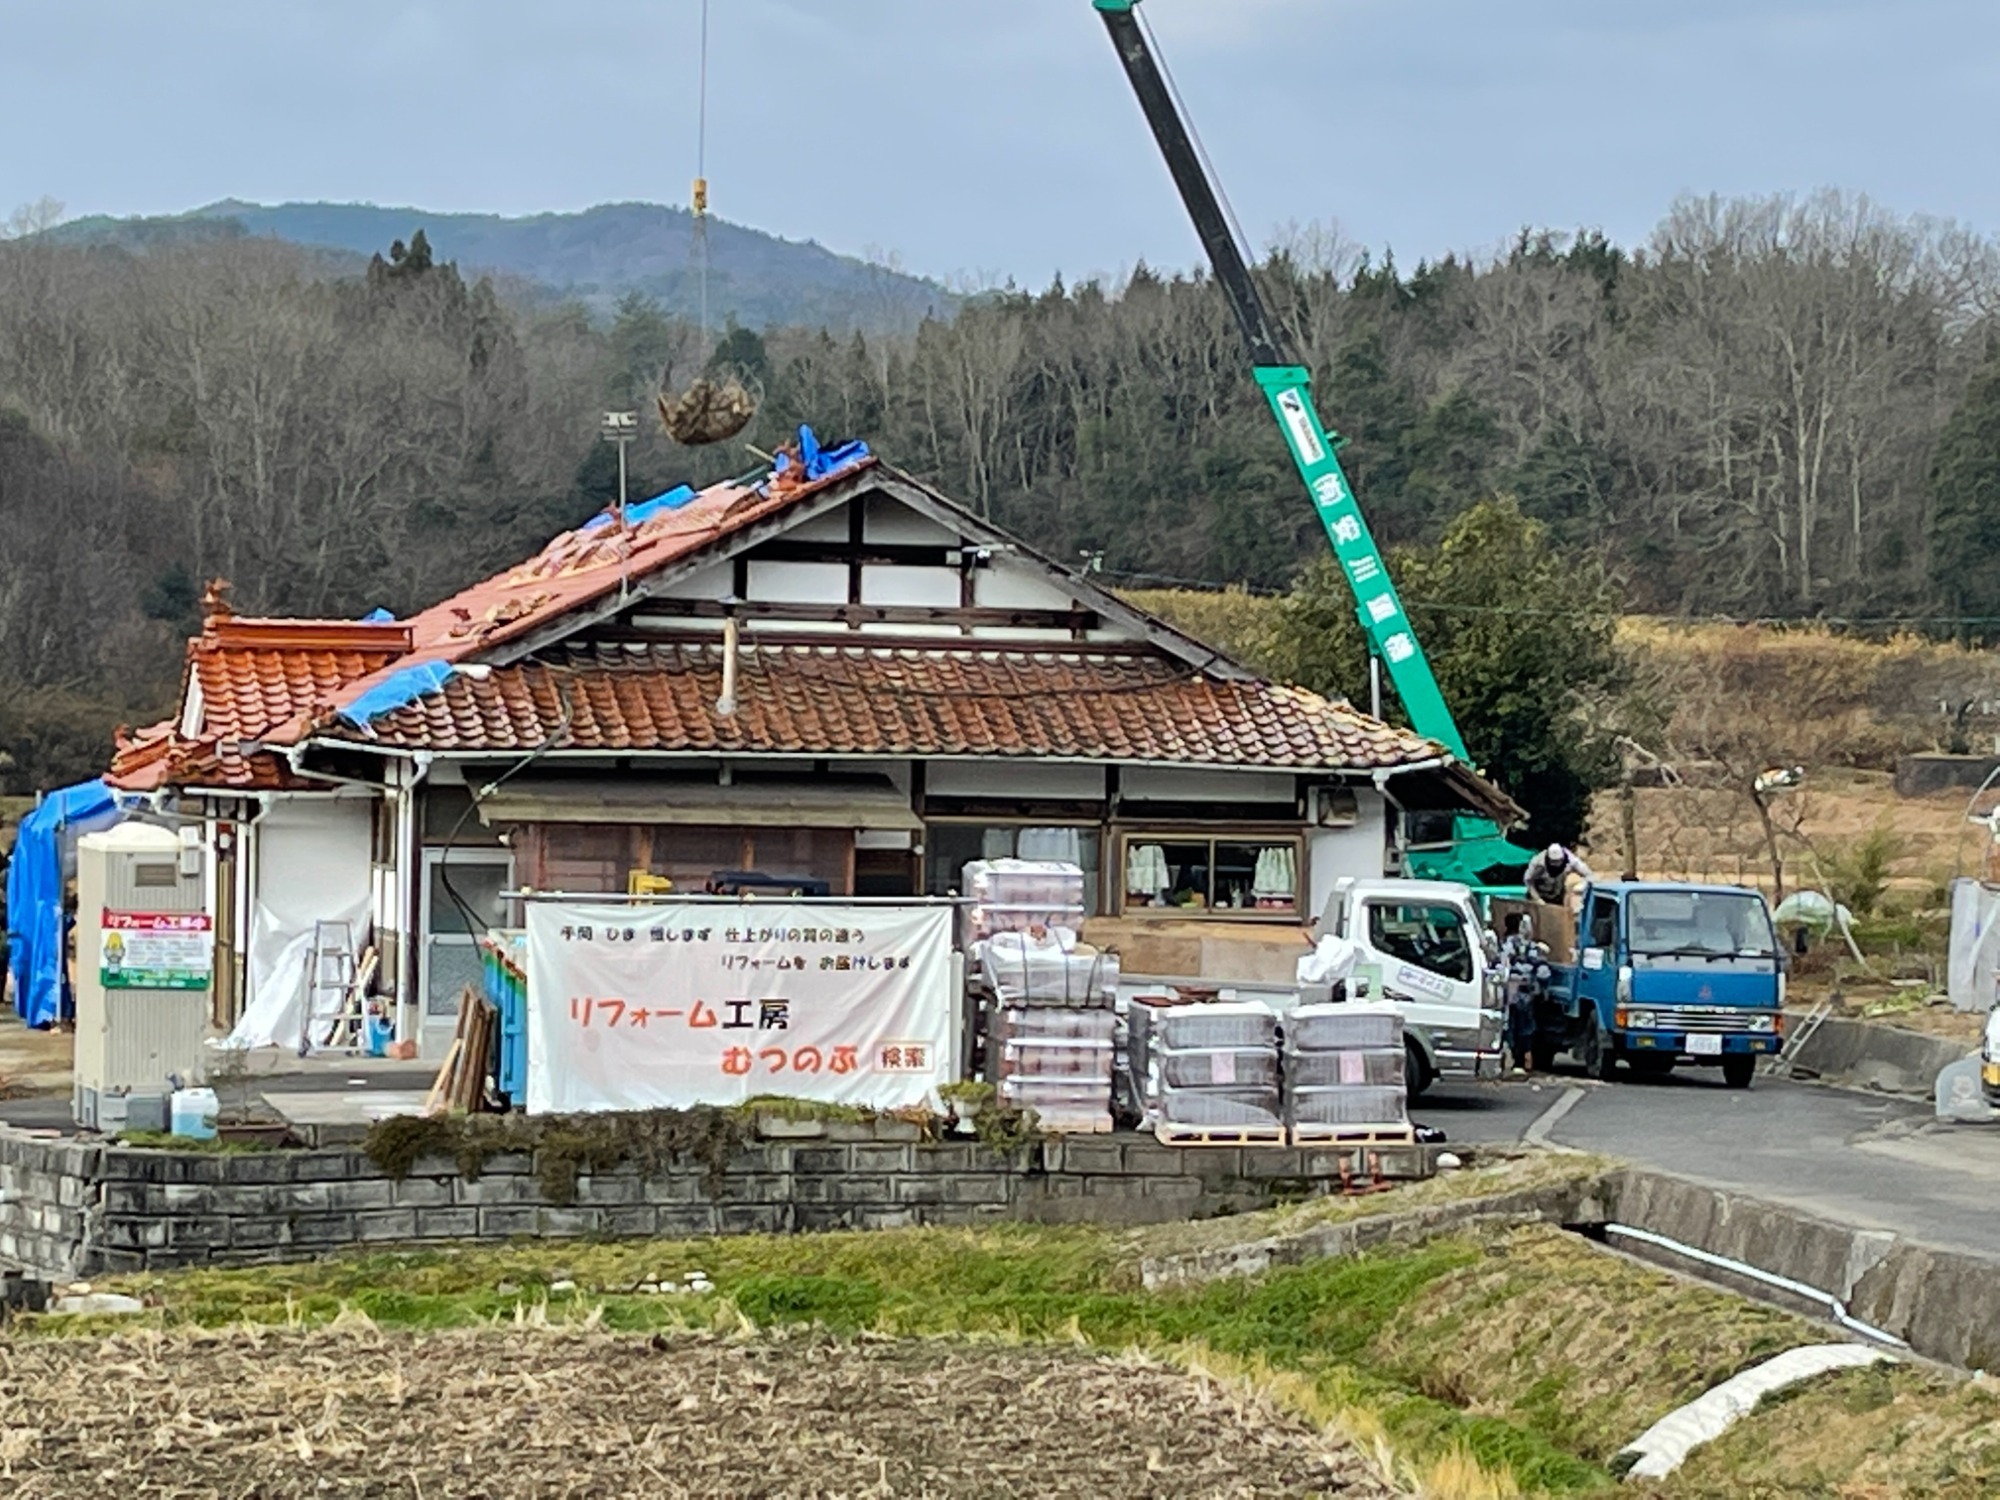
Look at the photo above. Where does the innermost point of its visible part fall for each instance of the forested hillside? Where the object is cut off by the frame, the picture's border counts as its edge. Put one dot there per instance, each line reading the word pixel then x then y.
pixel 1741 417
pixel 594 257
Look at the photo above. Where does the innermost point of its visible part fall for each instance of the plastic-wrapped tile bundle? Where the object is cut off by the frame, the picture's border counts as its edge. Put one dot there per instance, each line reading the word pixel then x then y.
pixel 1055 1062
pixel 1207 1072
pixel 1021 895
pixel 1048 968
pixel 1344 1073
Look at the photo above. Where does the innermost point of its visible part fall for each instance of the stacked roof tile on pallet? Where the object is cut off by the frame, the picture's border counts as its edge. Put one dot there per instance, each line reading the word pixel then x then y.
pixel 1344 1075
pixel 1207 1074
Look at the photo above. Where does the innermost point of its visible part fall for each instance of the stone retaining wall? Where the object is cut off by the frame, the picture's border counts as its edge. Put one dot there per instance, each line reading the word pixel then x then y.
pixel 75 1209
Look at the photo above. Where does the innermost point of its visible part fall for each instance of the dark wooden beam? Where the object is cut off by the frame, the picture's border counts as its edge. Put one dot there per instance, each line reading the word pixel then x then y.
pixel 855 552
pixel 943 640
pixel 948 616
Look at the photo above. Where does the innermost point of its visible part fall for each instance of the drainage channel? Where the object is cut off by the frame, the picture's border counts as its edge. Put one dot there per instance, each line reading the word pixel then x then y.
pixel 1732 1275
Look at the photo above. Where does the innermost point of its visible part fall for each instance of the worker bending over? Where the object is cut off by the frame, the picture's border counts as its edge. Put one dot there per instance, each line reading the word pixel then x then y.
pixel 1548 873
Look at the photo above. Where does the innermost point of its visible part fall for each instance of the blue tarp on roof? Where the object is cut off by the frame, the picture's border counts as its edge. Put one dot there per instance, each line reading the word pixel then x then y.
pixel 645 510
pixel 819 462
pixel 642 511
pixel 397 690
pixel 35 877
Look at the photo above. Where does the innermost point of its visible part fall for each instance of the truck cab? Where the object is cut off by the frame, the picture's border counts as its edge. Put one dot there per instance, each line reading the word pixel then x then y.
pixel 1420 946
pixel 1664 974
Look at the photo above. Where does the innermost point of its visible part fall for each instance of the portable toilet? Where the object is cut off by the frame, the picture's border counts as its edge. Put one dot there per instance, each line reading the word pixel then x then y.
pixel 145 958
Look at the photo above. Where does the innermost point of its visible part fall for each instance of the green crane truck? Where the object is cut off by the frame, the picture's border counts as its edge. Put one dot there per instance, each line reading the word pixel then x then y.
pixel 1476 852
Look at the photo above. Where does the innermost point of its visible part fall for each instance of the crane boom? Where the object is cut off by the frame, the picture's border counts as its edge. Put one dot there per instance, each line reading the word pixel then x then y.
pixel 1287 385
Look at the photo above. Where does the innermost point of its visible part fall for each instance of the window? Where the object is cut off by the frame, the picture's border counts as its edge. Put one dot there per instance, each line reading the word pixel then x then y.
pixel 1220 875
pixel 1431 937
pixel 475 882
pixel 950 847
pixel 1603 922
pixel 1715 924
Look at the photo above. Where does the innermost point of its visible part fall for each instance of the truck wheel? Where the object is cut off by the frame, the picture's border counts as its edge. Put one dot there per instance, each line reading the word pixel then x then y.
pixel 1416 1071
pixel 1738 1069
pixel 1600 1056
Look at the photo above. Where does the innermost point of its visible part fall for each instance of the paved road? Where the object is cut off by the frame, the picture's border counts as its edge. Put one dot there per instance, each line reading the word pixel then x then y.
pixel 1857 1158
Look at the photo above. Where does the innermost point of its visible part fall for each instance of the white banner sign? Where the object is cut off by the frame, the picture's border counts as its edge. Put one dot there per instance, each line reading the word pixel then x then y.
pixel 667 1006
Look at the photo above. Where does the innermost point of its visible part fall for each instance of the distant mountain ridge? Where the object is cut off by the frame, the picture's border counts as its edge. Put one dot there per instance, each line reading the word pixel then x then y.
pixel 596 256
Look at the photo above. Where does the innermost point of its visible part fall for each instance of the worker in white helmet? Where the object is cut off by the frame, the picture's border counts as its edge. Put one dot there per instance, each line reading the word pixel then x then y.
pixel 1548 873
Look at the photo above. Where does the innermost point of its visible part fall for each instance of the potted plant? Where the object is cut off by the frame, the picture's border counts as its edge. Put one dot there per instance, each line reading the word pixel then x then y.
pixel 965 1099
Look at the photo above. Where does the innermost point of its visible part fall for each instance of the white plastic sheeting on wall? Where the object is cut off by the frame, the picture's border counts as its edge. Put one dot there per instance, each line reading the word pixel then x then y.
pixel 312 866
pixel 1973 959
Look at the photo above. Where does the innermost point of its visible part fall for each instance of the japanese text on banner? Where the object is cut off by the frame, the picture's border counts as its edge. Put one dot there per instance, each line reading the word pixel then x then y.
pixel 696 1003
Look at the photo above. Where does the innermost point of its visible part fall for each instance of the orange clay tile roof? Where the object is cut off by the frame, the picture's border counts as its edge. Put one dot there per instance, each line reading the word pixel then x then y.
pixel 895 701
pixel 253 677
pixel 271 683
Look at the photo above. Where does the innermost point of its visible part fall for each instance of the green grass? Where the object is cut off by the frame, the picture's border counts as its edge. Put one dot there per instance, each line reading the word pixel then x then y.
pixel 215 1145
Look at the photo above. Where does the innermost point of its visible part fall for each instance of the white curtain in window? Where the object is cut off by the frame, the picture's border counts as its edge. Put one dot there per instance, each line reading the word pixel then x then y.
pixel 1276 875
pixel 1146 872
pixel 996 843
pixel 1065 844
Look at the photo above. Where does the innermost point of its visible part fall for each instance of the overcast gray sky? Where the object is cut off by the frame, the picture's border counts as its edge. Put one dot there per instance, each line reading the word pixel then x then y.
pixel 995 139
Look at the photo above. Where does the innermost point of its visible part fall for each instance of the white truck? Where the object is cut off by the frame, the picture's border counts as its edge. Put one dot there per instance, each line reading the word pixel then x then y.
pixel 1422 944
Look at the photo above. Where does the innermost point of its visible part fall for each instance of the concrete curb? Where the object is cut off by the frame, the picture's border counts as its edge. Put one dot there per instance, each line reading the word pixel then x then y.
pixel 1874 1056
pixel 1944 1303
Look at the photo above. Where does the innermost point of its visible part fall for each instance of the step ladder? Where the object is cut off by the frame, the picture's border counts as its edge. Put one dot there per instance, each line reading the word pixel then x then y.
pixel 330 992
pixel 1782 1061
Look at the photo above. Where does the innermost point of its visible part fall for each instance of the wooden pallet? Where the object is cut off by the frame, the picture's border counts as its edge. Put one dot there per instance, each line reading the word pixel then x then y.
pixel 1354 1135
pixel 1219 1135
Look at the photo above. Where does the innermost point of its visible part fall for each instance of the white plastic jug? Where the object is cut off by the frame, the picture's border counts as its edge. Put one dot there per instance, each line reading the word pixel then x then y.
pixel 193 1112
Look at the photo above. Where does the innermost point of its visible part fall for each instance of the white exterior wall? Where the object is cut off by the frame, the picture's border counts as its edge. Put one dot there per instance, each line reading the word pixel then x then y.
pixel 1332 853
pixel 1030 779
pixel 892 524
pixel 1193 784
pixel 312 865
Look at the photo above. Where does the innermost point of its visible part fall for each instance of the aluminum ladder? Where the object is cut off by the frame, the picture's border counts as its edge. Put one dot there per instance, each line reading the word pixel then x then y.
pixel 328 987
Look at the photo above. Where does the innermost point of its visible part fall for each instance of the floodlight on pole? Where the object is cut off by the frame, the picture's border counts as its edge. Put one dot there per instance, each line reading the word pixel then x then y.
pixel 620 427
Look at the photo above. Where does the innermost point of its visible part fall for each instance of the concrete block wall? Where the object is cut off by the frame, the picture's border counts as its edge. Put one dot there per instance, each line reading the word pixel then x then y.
pixel 80 1209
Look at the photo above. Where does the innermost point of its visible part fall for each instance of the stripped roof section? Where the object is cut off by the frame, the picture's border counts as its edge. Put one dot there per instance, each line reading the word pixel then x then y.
pixel 268 681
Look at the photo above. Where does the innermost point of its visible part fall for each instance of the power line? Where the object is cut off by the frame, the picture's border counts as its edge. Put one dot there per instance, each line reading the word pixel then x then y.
pixel 1420 606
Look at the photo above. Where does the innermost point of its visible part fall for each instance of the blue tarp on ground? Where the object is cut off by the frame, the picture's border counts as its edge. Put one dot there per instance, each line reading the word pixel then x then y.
pixel 35 877
pixel 395 691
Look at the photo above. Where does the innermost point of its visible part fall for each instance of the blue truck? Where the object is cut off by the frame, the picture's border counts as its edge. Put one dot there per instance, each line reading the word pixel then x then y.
pixel 1660 974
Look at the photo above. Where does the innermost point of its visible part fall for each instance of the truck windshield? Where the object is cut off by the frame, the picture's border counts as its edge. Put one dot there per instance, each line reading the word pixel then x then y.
pixel 1732 924
pixel 1431 937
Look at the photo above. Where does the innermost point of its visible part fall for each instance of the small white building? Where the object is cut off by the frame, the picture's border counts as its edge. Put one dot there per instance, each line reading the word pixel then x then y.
pixel 838 675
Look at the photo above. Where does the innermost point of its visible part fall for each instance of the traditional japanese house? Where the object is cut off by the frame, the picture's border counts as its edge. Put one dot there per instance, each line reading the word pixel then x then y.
pixel 835 674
